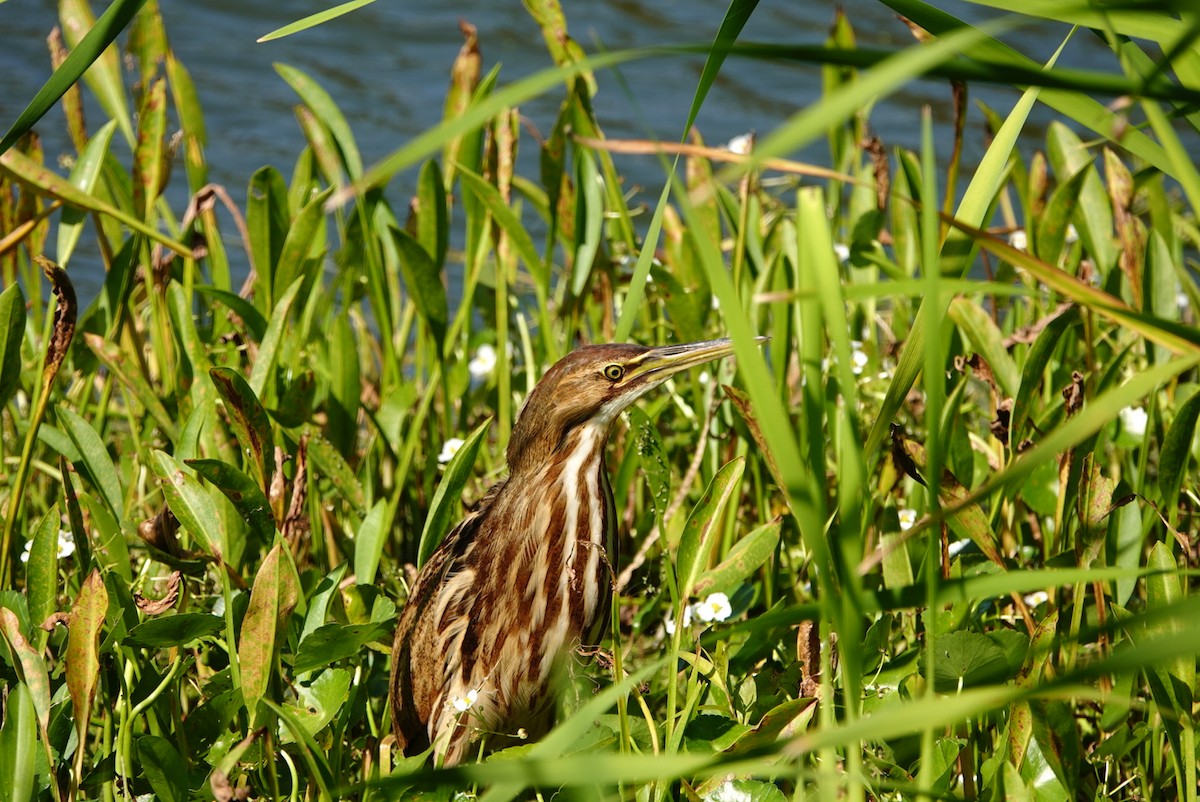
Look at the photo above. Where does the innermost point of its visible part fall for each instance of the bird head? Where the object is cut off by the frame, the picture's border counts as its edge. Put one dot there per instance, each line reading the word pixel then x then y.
pixel 591 386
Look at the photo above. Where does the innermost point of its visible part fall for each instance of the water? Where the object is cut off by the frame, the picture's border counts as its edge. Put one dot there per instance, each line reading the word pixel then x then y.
pixel 387 65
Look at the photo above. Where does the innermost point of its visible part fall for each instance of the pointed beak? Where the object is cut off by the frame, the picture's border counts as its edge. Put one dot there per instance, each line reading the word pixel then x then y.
pixel 659 364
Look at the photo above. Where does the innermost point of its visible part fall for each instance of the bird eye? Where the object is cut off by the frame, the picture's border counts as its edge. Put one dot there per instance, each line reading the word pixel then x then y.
pixel 613 372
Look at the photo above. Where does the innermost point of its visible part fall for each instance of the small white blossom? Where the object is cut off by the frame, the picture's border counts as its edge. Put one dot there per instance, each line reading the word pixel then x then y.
pixel 1133 420
pixel 704 378
pixel 464 703
pixel 66 546
pixel 956 548
pixel 1037 598
pixel 1019 240
pixel 907 518
pixel 715 607
pixel 449 449
pixel 858 357
pixel 669 623
pixel 483 363
pixel 218 608
pixel 66 543
pixel 741 144
pixel 842 252
pixel 1072 234
pixel 726 792
pixel 1183 301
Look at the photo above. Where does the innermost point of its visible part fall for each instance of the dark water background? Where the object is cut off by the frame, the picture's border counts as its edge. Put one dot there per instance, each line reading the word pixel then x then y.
pixel 387 65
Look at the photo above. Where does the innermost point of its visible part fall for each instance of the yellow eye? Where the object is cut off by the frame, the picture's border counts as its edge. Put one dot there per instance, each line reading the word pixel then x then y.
pixel 613 372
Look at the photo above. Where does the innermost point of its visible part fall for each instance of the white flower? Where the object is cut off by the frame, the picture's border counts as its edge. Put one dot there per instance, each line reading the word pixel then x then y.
pixel 714 608
pixel 1037 598
pixel 66 543
pixel 704 378
pixel 483 363
pixel 449 449
pixel 741 144
pixel 66 546
pixel 1019 240
pixel 1072 234
pixel 1133 420
pixel 907 518
pixel 726 792
pixel 669 623
pixel 956 548
pixel 842 252
pixel 1183 301
pixel 218 608
pixel 463 703
pixel 858 357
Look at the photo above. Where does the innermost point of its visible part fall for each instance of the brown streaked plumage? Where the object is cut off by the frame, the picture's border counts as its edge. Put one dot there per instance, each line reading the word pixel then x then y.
pixel 525 577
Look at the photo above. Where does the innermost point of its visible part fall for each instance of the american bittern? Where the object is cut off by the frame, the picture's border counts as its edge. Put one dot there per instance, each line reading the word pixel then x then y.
pixel 525 577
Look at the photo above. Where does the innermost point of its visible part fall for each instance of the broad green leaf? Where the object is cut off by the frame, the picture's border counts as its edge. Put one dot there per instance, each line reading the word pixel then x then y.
pixel 190 502
pixel 272 600
pixel 84 175
pixel 971 659
pixel 41 572
pixel 320 700
pixel 509 221
pixel 305 239
pixel 746 556
pixel 589 219
pixel 333 642
pixel 169 631
pixel 424 284
pixel 369 542
pixel 83 650
pixel 12 329
pixel 267 225
pixel 335 469
pixel 18 744
pixel 653 459
pixel 326 110
pixel 1176 454
pixel 163 768
pixel 433 214
pixel 249 422
pixel 697 542
pixel 318 605
pixel 95 457
pixel 268 349
pixel 31 667
pixel 447 499
pixel 247 498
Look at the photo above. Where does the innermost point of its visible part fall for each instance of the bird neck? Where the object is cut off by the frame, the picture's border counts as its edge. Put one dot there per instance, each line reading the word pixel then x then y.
pixel 532 449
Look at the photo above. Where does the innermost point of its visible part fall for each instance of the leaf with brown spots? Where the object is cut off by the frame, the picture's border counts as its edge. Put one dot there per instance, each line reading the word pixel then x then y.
pixel 272 600
pixel 83 653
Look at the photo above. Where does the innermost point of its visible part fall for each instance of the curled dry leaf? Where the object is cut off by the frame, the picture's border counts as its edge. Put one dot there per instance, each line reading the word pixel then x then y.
pixel 295 524
pixel 160 606
pixel 54 620
pixel 1073 393
pixel 65 313
pixel 161 532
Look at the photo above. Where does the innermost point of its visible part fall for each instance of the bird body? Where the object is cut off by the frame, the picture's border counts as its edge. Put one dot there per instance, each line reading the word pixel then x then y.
pixel 526 576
